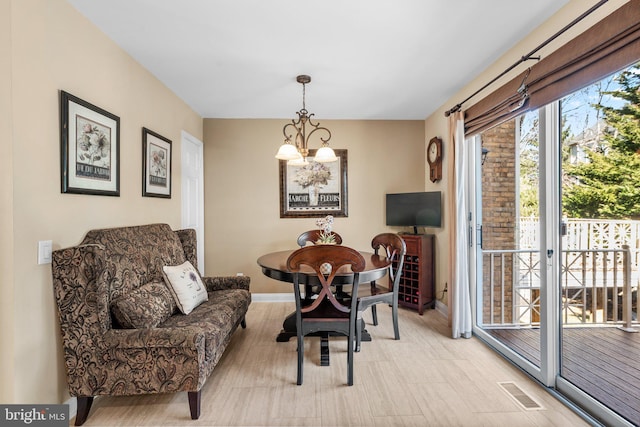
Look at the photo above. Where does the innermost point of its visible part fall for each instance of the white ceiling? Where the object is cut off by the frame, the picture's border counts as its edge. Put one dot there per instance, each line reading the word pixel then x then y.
pixel 368 59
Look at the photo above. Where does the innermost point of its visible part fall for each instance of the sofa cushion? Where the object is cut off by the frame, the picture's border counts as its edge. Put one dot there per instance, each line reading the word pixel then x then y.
pixel 217 317
pixel 185 285
pixel 145 307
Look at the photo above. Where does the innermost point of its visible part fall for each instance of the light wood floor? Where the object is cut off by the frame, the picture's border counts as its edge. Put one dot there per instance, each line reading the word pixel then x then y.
pixel 601 361
pixel 425 379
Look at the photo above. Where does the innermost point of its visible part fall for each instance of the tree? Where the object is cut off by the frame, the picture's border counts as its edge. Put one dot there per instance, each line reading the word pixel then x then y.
pixel 608 184
pixel 529 158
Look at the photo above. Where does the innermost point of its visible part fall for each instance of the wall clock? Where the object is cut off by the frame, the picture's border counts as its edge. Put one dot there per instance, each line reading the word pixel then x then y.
pixel 434 157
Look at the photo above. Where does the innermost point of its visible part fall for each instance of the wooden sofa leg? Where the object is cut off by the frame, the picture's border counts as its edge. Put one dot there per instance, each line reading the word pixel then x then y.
pixel 84 406
pixel 243 323
pixel 194 403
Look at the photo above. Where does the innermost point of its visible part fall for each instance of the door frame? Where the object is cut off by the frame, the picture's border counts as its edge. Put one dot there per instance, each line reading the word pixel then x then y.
pixel 190 140
pixel 548 374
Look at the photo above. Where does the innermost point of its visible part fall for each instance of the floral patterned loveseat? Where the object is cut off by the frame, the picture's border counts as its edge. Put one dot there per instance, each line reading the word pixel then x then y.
pixel 122 267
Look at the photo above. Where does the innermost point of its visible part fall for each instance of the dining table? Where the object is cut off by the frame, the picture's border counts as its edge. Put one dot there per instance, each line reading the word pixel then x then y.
pixel 274 266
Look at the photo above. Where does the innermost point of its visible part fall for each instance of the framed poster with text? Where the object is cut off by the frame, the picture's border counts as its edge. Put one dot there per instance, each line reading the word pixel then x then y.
pixel 156 165
pixel 314 190
pixel 90 148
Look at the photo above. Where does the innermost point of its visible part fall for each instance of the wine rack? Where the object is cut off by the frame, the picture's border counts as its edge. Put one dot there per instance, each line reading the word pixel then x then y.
pixel 417 281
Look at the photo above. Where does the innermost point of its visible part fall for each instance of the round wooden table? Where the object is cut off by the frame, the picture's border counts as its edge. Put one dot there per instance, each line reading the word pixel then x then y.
pixel 274 265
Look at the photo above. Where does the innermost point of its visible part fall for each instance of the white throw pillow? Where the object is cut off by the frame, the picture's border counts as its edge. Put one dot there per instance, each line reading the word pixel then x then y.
pixel 185 285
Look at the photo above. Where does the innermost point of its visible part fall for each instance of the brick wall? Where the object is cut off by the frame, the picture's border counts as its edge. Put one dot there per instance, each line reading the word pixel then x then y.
pixel 499 218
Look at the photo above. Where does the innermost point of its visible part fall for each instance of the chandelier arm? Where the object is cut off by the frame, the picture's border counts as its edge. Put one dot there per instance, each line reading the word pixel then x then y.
pixel 287 126
pixel 315 128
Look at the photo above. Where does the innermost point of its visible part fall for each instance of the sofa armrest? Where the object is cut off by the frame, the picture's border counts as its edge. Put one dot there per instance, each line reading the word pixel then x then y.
pixel 190 337
pixel 226 282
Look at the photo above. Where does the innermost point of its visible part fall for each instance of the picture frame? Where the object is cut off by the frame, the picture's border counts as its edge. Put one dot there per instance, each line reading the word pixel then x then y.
pixel 314 190
pixel 156 165
pixel 89 148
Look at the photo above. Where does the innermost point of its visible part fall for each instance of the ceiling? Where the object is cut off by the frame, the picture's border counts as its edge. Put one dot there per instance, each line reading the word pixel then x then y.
pixel 368 59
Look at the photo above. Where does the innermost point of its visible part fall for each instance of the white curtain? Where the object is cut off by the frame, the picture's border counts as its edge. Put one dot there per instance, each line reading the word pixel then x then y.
pixel 458 164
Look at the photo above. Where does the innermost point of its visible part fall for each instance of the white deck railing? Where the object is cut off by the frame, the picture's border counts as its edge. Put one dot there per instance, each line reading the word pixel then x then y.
pixel 597 287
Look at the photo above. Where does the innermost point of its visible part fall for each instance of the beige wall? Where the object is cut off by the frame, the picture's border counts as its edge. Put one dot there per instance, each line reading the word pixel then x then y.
pixel 6 207
pixel 437 124
pixel 242 188
pixel 50 47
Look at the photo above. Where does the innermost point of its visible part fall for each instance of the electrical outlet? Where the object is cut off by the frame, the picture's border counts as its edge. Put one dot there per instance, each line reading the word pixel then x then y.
pixel 44 251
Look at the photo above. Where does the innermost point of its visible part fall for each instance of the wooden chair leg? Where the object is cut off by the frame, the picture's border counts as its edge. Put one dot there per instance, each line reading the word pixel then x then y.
pixel 374 314
pixel 394 313
pixel 359 327
pixel 350 346
pixel 84 406
pixel 194 403
pixel 300 358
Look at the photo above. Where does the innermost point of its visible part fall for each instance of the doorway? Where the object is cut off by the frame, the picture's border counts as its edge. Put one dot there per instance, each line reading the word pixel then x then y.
pixel 192 202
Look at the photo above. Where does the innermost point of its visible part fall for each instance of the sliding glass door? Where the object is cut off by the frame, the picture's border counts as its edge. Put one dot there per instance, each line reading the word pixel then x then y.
pixel 599 361
pixel 557 238
pixel 510 278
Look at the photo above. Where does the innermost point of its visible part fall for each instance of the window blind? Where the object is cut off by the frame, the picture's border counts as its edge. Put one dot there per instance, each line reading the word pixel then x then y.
pixel 608 46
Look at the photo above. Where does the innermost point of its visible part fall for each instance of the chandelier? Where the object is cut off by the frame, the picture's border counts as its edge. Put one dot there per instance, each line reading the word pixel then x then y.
pixel 295 148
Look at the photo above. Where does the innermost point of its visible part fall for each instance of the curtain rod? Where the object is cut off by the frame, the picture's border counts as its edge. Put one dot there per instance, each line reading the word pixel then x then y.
pixel 528 56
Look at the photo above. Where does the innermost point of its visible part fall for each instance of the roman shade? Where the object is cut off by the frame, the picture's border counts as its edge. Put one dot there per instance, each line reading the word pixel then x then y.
pixel 608 46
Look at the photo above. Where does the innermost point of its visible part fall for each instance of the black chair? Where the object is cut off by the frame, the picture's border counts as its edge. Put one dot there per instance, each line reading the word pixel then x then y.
pixel 312 236
pixel 325 314
pixel 395 249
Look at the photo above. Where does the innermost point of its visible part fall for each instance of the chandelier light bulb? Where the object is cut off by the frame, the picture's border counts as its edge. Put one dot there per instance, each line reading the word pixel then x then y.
pixel 287 151
pixel 325 154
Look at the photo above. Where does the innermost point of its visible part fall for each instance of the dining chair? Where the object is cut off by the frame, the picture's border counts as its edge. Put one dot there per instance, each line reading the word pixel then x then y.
pixel 325 314
pixel 395 249
pixel 312 236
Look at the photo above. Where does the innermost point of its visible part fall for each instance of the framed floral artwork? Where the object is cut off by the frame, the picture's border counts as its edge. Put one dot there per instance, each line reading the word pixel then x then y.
pixel 314 190
pixel 156 165
pixel 90 148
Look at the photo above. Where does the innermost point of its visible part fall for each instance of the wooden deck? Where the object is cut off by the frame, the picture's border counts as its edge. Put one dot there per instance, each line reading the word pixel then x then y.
pixel 604 362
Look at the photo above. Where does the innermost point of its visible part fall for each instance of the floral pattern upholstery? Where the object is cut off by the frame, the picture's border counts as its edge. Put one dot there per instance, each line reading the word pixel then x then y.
pixel 179 354
pixel 145 307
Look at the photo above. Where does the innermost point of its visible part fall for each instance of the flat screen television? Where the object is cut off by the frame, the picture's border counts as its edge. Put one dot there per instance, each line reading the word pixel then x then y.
pixel 423 209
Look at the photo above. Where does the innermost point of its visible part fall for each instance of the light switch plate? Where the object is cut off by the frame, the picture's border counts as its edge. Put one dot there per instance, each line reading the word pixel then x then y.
pixel 44 251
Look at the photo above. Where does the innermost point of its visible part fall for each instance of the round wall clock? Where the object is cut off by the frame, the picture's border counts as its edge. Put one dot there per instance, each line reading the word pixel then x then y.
pixel 434 157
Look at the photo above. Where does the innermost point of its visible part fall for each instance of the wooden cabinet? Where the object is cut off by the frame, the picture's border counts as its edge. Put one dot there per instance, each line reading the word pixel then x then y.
pixel 417 281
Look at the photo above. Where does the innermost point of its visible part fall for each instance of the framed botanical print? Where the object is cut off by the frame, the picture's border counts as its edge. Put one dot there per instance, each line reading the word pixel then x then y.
pixel 314 190
pixel 156 165
pixel 90 148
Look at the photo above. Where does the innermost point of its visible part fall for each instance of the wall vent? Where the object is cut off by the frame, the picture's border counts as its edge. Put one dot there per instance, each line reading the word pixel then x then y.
pixel 523 399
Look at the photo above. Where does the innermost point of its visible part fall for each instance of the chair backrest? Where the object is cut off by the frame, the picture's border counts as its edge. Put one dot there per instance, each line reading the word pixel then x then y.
pixel 316 257
pixel 395 249
pixel 313 236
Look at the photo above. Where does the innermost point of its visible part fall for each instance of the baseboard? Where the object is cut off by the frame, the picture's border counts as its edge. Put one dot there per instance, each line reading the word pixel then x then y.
pixel 442 309
pixel 283 297
pixel 288 297
pixel 73 407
